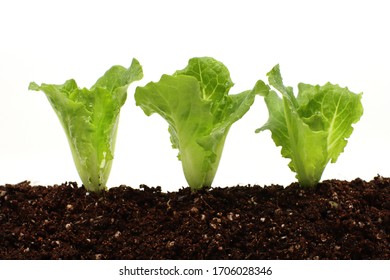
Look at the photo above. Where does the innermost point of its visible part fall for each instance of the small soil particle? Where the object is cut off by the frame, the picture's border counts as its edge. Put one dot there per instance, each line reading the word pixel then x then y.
pixel 337 220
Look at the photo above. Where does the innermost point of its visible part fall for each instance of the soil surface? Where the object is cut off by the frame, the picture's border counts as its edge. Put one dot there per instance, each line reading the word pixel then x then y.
pixel 337 220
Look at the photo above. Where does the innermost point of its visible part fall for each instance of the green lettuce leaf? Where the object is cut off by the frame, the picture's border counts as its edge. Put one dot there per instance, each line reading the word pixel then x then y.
pixel 90 119
pixel 195 103
pixel 313 127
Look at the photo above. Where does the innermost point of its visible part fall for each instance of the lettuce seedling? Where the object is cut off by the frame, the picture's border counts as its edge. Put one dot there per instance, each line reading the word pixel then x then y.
pixel 90 119
pixel 195 103
pixel 311 128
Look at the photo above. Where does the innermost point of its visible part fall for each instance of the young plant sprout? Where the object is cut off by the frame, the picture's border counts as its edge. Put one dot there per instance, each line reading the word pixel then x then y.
pixel 195 103
pixel 312 128
pixel 90 119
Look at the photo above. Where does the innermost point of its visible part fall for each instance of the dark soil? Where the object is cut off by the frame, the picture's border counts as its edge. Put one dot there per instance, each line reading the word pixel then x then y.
pixel 338 220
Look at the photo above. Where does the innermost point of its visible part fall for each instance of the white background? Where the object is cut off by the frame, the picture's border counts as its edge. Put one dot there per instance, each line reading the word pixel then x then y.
pixel 344 42
pixel 281 270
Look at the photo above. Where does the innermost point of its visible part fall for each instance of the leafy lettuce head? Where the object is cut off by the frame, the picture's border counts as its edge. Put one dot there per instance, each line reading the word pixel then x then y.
pixel 196 104
pixel 313 127
pixel 90 118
